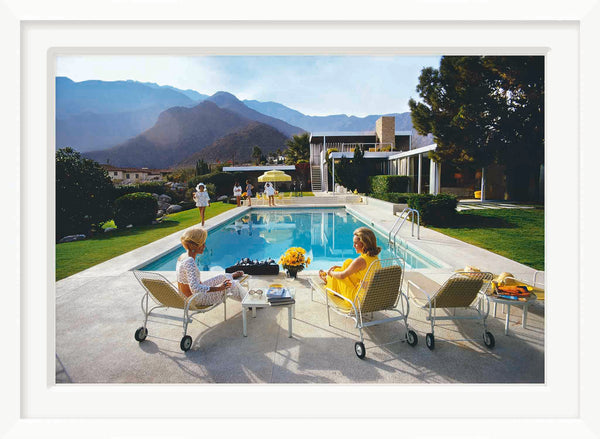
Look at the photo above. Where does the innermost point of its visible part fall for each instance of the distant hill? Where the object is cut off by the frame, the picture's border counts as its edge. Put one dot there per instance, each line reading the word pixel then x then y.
pixel 99 114
pixel 338 122
pixel 238 146
pixel 230 102
pixel 192 94
pixel 103 97
pixel 178 133
pixel 90 131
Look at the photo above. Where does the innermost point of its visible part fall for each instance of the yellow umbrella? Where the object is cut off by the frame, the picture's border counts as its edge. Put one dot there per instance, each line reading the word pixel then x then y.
pixel 274 176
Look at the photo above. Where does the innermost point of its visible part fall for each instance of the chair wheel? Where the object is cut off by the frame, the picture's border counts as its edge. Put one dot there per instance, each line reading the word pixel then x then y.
pixel 186 343
pixel 489 339
pixel 359 348
pixel 141 333
pixel 430 341
pixel 411 338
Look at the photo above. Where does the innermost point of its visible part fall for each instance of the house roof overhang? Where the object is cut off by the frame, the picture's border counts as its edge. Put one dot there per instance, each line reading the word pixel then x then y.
pixel 349 136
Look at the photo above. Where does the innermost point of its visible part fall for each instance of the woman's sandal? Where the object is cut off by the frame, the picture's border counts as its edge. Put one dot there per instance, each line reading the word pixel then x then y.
pixel 323 276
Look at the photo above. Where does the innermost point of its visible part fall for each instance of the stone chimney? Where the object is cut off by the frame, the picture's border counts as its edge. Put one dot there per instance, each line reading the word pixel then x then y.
pixel 385 130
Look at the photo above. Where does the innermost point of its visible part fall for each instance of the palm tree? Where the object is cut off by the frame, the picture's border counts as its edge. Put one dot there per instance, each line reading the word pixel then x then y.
pixel 298 148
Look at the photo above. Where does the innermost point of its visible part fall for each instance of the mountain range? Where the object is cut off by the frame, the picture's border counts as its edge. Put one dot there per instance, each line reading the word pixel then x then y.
pixel 129 123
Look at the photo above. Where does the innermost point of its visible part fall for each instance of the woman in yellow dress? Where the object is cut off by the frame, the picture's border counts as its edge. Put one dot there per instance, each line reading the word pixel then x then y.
pixel 345 280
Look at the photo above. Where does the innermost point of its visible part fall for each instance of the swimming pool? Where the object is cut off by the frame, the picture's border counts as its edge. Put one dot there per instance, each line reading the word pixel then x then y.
pixel 325 234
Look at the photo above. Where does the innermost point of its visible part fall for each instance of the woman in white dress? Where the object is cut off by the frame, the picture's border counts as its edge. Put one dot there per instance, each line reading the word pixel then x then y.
pixel 189 283
pixel 270 192
pixel 202 200
pixel 237 193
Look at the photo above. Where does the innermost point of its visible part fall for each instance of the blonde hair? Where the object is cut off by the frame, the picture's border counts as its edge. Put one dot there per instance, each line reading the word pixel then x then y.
pixel 194 235
pixel 368 240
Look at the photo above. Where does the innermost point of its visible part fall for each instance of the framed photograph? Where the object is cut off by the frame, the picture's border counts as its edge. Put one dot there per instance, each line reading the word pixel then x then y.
pixel 35 34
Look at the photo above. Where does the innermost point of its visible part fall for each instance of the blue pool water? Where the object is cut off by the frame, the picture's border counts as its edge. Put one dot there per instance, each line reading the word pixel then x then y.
pixel 325 234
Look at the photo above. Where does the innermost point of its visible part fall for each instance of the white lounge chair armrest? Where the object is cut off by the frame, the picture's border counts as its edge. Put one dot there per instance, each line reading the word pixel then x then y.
pixel 535 281
pixel 335 293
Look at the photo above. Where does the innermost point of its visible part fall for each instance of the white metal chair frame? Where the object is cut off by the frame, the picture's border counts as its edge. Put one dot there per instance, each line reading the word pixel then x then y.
pixel 356 312
pixel 189 309
pixel 480 297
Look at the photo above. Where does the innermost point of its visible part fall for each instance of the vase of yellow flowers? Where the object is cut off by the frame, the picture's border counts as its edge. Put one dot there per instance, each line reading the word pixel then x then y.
pixel 294 260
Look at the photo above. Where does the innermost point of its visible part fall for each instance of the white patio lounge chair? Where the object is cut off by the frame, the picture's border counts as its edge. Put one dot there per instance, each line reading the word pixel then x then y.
pixel 379 291
pixel 462 290
pixel 166 295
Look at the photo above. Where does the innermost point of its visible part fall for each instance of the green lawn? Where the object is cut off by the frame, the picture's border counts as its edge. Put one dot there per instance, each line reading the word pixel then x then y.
pixel 517 234
pixel 73 257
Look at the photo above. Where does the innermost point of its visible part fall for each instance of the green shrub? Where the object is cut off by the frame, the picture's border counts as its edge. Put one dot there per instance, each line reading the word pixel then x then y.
pixel 393 197
pixel 211 188
pixel 83 194
pixel 153 187
pixel 383 184
pixel 137 208
pixel 435 210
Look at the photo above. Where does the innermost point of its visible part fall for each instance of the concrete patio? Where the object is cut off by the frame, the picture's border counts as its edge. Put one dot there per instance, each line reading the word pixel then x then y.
pixel 98 311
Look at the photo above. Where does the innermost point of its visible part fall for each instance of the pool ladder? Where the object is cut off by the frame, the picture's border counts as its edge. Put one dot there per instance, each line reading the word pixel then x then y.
pixel 398 225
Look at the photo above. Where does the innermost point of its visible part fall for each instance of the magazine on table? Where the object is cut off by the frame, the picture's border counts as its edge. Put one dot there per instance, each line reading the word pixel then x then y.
pixel 289 301
pixel 278 291
pixel 277 294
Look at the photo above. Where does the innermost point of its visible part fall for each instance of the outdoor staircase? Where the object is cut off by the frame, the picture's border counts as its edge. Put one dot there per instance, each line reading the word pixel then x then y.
pixel 315 178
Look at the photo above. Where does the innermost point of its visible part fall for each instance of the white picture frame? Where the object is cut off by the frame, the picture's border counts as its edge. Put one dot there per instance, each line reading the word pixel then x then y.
pixel 34 32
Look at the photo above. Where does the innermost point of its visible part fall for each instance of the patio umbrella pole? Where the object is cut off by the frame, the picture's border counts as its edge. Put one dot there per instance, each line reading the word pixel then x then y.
pixel 482 198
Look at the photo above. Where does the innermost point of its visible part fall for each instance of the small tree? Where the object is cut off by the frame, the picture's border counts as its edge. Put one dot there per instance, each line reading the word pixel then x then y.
pixel 83 193
pixel 202 167
pixel 353 173
pixel 257 154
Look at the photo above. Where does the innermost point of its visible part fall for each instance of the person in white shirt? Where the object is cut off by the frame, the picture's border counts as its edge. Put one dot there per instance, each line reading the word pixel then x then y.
pixel 189 283
pixel 237 193
pixel 202 200
pixel 270 192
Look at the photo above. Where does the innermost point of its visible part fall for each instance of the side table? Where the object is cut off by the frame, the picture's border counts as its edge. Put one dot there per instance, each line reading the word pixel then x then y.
pixel 260 301
pixel 508 303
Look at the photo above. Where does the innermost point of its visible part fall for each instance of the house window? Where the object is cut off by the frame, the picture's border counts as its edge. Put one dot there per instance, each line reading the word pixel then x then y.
pixel 126 175
pixel 137 175
pixel 115 173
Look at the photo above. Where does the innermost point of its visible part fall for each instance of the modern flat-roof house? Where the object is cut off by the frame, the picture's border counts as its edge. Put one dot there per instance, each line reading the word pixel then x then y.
pixel 390 150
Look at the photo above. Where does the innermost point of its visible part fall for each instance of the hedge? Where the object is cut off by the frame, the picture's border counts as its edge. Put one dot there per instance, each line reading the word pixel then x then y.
pixel 137 208
pixel 393 197
pixel 223 181
pixel 153 187
pixel 435 210
pixel 383 184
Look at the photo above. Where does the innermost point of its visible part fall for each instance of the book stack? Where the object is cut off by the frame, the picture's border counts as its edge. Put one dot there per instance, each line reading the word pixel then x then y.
pixel 279 295
pixel 518 292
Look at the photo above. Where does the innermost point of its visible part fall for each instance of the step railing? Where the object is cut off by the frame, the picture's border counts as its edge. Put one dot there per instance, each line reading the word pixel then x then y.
pixel 400 221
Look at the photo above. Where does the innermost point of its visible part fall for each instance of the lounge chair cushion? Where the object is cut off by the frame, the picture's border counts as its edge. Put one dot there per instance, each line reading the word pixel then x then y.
pixel 164 293
pixel 457 292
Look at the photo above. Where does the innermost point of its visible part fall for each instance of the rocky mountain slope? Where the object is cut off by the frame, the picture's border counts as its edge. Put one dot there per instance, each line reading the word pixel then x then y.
pixel 238 146
pixel 178 133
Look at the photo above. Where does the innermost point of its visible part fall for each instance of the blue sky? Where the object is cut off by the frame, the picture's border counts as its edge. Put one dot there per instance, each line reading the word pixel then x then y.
pixel 313 85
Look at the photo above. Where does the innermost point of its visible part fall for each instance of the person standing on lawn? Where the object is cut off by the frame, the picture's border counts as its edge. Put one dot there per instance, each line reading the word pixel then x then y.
pixel 202 200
